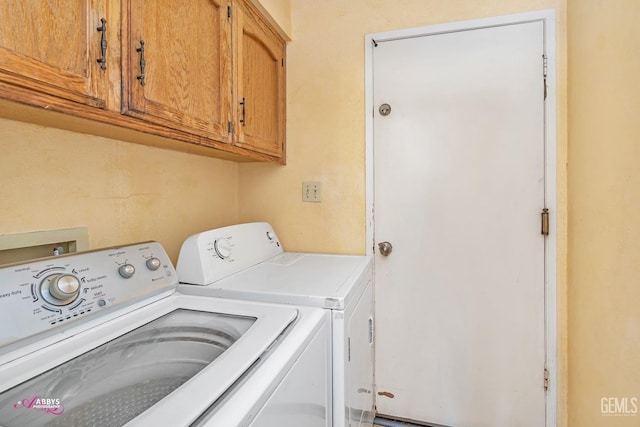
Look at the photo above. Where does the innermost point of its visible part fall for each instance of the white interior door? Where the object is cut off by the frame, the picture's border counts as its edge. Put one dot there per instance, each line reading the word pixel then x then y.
pixel 458 192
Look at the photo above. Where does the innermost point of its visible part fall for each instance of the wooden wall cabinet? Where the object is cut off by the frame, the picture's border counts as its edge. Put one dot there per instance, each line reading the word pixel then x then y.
pixel 177 68
pixel 52 47
pixel 260 85
pixel 184 68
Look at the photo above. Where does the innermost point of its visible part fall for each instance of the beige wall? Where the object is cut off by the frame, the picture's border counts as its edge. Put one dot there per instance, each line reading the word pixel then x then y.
pixel 123 192
pixel 279 13
pixel 604 208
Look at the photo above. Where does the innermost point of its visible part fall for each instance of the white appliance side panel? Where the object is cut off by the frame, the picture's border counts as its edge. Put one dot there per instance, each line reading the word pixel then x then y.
pixel 339 356
pixel 353 382
pixel 242 403
pixel 360 397
pixel 303 397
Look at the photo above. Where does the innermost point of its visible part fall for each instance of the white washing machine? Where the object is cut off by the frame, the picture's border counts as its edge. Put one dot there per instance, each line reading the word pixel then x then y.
pixel 102 338
pixel 247 262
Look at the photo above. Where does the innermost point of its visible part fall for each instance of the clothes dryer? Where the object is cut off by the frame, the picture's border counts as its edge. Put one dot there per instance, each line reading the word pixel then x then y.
pixel 247 262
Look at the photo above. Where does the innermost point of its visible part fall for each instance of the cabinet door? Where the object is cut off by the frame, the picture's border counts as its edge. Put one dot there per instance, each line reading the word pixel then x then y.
pixel 52 47
pixel 185 50
pixel 260 86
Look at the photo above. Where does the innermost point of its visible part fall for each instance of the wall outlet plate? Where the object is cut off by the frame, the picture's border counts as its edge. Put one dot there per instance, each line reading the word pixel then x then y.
pixel 311 191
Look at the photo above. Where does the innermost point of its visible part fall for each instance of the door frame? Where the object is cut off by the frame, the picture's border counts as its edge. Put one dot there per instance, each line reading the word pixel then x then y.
pixel 548 18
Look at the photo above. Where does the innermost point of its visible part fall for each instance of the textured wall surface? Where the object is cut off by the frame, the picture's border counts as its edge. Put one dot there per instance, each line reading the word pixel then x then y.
pixel 122 192
pixel 604 211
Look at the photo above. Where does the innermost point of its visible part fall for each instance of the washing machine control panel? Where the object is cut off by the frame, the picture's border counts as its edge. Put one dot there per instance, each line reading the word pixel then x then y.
pixel 44 294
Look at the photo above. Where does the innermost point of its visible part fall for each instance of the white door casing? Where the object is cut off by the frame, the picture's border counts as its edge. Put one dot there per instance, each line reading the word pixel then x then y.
pixel 460 170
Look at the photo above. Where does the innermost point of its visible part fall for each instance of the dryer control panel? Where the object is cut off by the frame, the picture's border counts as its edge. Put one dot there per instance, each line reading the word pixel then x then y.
pixel 43 294
pixel 215 254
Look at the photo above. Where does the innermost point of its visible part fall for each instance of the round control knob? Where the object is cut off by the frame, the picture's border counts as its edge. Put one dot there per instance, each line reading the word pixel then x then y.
pixel 223 248
pixel 271 235
pixel 153 264
pixel 127 270
pixel 64 287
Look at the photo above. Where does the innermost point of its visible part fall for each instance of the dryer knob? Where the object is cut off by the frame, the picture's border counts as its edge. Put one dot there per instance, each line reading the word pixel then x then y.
pixel 223 248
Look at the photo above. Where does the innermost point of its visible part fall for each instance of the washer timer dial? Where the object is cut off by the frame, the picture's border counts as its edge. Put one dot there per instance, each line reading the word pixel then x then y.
pixel 60 289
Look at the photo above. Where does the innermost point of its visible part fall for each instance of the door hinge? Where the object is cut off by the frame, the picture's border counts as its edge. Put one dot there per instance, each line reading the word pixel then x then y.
pixel 544 74
pixel 230 127
pixel 546 379
pixel 544 217
pixel 229 12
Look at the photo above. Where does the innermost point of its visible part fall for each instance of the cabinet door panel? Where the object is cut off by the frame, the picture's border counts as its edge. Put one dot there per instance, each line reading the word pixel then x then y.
pixel 261 86
pixel 187 79
pixel 52 46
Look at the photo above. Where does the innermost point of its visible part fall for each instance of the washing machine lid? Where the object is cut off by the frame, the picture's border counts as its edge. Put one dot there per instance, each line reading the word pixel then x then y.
pixel 304 279
pixel 161 364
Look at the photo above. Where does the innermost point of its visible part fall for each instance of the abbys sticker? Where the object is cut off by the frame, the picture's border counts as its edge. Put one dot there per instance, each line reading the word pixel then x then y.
pixel 49 406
